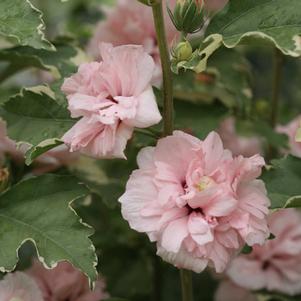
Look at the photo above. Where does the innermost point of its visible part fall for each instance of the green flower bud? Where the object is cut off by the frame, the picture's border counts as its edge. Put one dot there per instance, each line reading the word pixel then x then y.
pixel 182 52
pixel 188 16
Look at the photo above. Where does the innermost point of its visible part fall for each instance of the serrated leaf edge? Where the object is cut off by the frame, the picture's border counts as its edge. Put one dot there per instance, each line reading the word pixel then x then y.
pixel 40 30
pixel 54 264
pixel 293 53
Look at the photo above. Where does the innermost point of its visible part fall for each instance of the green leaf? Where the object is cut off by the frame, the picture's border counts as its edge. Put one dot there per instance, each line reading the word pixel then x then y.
pixel 40 149
pixel 33 117
pixel 276 21
pixel 282 181
pixel 227 78
pixel 39 210
pixel 94 173
pixel 22 23
pixel 22 57
pixel 198 120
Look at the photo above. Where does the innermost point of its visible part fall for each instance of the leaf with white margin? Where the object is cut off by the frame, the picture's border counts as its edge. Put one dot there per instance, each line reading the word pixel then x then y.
pixel 40 149
pixel 283 182
pixel 39 210
pixel 198 61
pixel 22 23
pixel 34 116
pixel 277 21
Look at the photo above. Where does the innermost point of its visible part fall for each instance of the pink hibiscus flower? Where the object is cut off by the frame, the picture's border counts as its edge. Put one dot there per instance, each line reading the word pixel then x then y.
pixel 228 291
pixel 112 96
pixel 19 286
pixel 64 282
pixel 131 22
pixel 238 145
pixel 291 130
pixel 196 201
pixel 275 266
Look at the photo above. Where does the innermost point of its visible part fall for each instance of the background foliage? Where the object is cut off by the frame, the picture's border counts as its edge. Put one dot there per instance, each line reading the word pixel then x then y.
pixel 231 82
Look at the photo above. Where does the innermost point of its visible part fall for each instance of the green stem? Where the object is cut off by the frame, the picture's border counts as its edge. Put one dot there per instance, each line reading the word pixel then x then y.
pixel 186 283
pixel 157 8
pixel 278 64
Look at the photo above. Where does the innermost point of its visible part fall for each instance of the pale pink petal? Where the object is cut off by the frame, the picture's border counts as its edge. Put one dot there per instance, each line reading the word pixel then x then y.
pixel 247 273
pixel 145 158
pixel 123 134
pixel 221 206
pixel 147 113
pixel 199 229
pixel 135 67
pixel 19 286
pixel 175 151
pixel 183 260
pixel 213 151
pixel 64 282
pixel 139 195
pixel 228 291
pixel 174 234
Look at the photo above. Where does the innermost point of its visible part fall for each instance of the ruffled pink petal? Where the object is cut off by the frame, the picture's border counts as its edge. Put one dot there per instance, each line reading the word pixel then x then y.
pixel 213 152
pixel 183 260
pixel 145 158
pixel 140 193
pixel 147 112
pixel 177 160
pixel 174 234
pixel 247 273
pixel 135 67
pixel 199 229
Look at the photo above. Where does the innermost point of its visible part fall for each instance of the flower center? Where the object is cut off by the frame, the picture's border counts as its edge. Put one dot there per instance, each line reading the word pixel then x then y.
pixel 204 183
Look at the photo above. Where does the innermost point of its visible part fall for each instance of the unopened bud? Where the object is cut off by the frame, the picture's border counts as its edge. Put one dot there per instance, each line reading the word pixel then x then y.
pixel 188 15
pixel 183 51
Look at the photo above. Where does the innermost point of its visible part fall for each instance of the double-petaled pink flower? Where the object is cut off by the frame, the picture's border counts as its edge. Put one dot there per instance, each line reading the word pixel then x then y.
pixel 275 266
pixel 64 282
pixel 196 201
pixel 291 130
pixel 19 286
pixel 131 22
pixel 112 97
